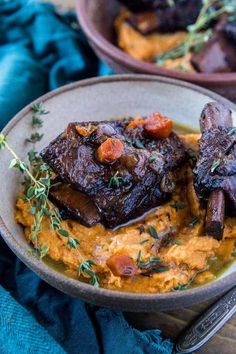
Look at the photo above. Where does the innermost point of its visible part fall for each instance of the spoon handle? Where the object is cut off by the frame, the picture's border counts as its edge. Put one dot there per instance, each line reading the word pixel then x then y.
pixel 208 324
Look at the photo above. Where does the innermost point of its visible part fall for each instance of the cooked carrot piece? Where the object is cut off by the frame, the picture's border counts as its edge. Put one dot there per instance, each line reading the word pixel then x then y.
pixel 122 265
pixel 158 126
pixel 138 121
pixel 82 130
pixel 110 150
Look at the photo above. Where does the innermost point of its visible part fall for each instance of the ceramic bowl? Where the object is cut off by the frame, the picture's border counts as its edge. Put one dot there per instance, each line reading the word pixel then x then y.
pixel 98 99
pixel 96 18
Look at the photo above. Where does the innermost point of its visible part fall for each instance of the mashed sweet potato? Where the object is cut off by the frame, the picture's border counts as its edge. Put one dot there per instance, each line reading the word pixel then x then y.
pixel 150 46
pixel 187 256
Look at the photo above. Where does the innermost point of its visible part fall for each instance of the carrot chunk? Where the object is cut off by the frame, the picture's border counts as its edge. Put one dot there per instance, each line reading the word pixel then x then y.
pixel 82 130
pixel 138 121
pixel 158 126
pixel 110 150
pixel 122 265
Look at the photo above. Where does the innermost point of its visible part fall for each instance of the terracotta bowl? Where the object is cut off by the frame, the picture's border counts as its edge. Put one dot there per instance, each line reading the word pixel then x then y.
pixel 96 18
pixel 98 99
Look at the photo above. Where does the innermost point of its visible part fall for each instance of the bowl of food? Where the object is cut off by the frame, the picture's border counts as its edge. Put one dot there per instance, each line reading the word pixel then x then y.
pixel 117 205
pixel 190 40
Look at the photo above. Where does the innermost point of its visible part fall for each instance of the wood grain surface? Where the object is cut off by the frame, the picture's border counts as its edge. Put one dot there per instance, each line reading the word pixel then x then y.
pixel 173 323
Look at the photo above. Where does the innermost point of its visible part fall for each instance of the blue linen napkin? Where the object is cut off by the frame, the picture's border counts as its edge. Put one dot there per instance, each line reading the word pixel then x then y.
pixel 39 51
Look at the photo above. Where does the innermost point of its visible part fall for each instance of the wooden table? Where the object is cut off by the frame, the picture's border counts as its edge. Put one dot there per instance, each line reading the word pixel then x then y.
pixel 172 323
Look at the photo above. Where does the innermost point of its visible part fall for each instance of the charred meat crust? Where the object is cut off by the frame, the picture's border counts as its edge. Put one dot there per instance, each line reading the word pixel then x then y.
pixel 126 188
pixel 219 52
pixel 216 165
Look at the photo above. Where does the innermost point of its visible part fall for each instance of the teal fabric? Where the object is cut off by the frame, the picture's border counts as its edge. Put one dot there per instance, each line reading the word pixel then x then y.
pixel 39 51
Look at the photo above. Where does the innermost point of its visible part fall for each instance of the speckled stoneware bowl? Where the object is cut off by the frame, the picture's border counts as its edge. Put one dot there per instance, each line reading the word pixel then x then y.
pixel 96 18
pixel 98 99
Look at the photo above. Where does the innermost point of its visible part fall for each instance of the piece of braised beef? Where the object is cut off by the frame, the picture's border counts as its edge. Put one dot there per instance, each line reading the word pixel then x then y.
pixel 216 164
pixel 139 180
pixel 218 53
pixel 169 19
pixel 74 204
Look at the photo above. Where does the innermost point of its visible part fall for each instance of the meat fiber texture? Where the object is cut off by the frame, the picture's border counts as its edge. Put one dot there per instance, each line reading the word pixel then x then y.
pixel 216 166
pixel 141 182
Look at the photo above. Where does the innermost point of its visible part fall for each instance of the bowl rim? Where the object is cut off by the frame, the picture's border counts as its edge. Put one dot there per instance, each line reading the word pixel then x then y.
pixel 126 300
pixel 133 64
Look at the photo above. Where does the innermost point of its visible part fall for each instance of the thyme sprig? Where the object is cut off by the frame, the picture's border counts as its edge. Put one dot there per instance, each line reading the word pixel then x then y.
pixel 37 186
pixel 85 269
pixel 116 180
pixel 152 263
pixel 197 35
pixel 37 183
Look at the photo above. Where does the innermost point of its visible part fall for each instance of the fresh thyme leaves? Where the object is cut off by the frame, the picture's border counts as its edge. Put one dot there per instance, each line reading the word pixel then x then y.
pixel 40 252
pixel 141 229
pixel 181 287
pixel 178 206
pixel 115 181
pixel 152 231
pixel 138 144
pixel 43 250
pixel 154 157
pixel 34 138
pixel 38 108
pixel 138 256
pixel 232 131
pixel 72 242
pixel 143 241
pixel 215 165
pixel 197 35
pixel 128 142
pixel 152 263
pixel 36 123
pixel 85 269
pixel 2 142
pixel 175 242
pixel 37 183
pixel 194 221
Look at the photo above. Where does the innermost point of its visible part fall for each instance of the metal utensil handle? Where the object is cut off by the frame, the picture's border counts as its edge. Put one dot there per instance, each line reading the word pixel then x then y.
pixel 208 324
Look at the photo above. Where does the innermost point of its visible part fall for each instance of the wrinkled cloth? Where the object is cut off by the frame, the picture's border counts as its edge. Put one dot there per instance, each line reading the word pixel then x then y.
pixel 40 50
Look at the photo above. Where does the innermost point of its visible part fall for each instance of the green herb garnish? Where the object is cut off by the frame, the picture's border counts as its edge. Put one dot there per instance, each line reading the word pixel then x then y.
pixel 143 241
pixel 178 206
pixel 197 33
pixel 175 242
pixel 141 229
pixel 151 264
pixel 152 231
pixel 215 165
pixel 154 157
pixel 37 183
pixel 138 144
pixel 128 142
pixel 194 221
pixel 232 131
pixel 39 251
pixel 86 268
pixel 115 181
pixel 181 287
